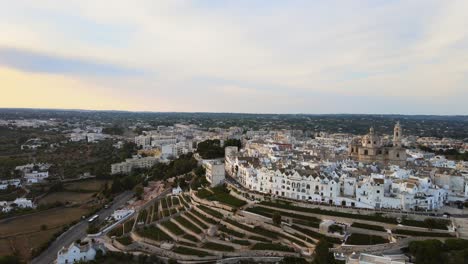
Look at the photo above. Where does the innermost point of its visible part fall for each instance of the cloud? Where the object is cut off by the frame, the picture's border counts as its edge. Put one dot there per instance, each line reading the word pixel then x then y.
pixel 31 61
pixel 250 56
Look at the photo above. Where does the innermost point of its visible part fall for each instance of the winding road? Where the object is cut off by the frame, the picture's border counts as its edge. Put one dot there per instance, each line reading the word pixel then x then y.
pixel 78 231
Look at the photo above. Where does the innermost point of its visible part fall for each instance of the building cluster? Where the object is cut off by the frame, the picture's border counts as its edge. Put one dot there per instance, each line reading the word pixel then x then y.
pixel 79 252
pixel 89 134
pixel 18 203
pixel 34 173
pixel 365 172
pixel 136 162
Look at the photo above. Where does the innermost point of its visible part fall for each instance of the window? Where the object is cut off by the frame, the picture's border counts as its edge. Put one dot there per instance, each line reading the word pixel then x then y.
pixel 398 155
pixel 366 152
pixel 378 191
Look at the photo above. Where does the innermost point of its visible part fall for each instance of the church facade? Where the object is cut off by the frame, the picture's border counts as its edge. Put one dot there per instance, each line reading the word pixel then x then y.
pixel 370 148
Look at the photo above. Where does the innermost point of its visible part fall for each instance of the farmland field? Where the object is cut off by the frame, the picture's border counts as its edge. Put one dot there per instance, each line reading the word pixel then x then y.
pixel 87 185
pixel 72 197
pixel 23 233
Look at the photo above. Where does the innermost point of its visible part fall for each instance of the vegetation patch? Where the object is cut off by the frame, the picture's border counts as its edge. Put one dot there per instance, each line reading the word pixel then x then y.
pixel 173 228
pixel 317 235
pixel 363 239
pixel 181 220
pixel 154 233
pixel 220 194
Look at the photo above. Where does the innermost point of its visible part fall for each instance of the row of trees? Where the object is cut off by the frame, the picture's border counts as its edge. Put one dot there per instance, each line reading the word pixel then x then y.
pixel 212 149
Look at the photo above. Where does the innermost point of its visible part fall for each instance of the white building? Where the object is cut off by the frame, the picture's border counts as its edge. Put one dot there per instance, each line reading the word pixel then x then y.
pixel 36 176
pixel 215 172
pixel 136 162
pixel 76 252
pixel 13 182
pixel 23 203
pixel 121 214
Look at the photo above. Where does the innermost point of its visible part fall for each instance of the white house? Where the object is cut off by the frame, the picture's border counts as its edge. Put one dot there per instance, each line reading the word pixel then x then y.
pixel 83 251
pixel 23 203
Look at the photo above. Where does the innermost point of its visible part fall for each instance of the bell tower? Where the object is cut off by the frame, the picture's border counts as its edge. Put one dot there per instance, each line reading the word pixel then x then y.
pixel 397 131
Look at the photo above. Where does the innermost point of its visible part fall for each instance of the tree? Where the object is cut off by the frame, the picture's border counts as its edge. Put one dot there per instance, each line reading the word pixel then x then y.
pixel 276 217
pixel 323 254
pixel 116 185
pixel 430 223
pixel 427 251
pixel 139 192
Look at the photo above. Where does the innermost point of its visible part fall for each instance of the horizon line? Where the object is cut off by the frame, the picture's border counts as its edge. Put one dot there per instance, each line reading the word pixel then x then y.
pixel 206 112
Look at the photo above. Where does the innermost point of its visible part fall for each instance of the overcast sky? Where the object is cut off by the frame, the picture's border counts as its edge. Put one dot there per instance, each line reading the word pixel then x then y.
pixel 269 56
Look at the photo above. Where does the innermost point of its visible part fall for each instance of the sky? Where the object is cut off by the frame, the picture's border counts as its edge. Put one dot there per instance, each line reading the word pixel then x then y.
pixel 243 56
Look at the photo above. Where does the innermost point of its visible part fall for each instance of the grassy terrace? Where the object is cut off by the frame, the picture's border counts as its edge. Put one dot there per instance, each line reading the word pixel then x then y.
pixel 217 247
pixel 142 216
pixel 194 219
pixel 190 237
pixel 211 212
pixel 164 203
pixel 173 228
pixel 175 201
pixel 128 225
pixel 363 239
pixel 271 246
pixel 204 218
pixel 231 232
pixel 316 235
pixel 420 233
pixel 154 233
pixel 437 223
pixel 220 194
pixel 258 230
pixel 267 212
pixel 190 251
pixel 181 220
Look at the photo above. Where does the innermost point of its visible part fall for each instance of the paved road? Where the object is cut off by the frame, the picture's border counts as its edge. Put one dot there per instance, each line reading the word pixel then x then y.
pixel 78 231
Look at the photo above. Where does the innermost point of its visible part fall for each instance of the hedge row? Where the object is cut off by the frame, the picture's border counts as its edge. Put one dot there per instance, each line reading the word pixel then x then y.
pixel 420 233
